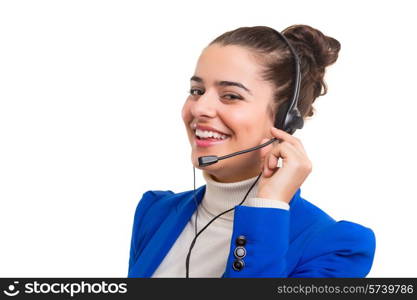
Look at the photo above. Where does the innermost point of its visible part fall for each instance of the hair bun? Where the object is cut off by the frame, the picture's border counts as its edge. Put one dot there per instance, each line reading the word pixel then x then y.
pixel 310 43
pixel 316 51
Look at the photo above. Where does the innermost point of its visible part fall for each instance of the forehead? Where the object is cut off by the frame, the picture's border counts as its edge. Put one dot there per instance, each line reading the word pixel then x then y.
pixel 230 62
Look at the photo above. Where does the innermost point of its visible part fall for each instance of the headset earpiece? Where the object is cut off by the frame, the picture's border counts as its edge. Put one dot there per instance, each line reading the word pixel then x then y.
pixel 288 117
pixel 293 121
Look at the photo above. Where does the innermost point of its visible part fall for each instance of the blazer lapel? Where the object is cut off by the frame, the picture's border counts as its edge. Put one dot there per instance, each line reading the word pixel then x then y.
pixel 164 238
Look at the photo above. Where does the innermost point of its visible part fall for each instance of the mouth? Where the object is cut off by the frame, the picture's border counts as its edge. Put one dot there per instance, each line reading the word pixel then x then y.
pixel 209 138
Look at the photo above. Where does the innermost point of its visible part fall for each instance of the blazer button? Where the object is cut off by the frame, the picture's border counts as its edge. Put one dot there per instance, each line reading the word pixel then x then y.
pixel 241 240
pixel 240 252
pixel 238 265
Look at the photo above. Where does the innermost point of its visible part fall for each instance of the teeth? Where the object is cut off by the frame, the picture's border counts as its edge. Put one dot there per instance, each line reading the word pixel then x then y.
pixel 206 134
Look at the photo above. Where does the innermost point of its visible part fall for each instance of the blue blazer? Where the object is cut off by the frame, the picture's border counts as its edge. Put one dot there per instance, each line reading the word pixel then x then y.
pixel 300 242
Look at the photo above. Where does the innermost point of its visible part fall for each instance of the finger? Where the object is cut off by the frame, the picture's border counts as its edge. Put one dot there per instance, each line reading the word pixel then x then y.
pixel 265 169
pixel 265 150
pixel 281 134
pixel 287 152
pixel 268 171
pixel 272 161
pixel 271 165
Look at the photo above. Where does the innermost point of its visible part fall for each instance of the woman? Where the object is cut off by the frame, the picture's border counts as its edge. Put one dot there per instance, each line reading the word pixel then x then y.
pixel 243 80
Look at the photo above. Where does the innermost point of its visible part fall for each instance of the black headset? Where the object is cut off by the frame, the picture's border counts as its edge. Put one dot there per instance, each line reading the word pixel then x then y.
pixel 288 118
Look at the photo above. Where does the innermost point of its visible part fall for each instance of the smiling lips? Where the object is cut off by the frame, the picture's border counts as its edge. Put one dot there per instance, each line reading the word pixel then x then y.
pixel 207 142
pixel 206 136
pixel 206 128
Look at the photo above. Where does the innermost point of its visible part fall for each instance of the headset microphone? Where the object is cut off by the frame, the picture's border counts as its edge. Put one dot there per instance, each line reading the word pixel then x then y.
pixel 211 159
pixel 288 117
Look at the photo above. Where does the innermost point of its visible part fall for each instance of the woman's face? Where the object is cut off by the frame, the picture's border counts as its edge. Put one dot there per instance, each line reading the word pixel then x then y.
pixel 228 95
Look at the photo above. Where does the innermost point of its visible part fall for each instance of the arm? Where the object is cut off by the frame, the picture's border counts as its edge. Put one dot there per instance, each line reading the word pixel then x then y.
pixel 343 249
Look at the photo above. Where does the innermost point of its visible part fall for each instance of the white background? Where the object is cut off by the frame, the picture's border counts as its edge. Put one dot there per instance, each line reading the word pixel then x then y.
pixel 90 118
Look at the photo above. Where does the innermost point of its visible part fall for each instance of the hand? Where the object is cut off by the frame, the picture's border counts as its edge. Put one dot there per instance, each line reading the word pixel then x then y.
pixel 282 183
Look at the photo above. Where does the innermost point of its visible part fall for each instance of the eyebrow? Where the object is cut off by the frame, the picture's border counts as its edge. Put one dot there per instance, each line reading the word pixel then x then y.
pixel 222 83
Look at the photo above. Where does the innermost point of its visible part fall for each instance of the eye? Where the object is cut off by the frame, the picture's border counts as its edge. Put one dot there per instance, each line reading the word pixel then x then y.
pixel 192 92
pixel 195 92
pixel 233 97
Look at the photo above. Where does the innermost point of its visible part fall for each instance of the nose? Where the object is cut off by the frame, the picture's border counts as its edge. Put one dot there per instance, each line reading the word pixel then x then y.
pixel 205 105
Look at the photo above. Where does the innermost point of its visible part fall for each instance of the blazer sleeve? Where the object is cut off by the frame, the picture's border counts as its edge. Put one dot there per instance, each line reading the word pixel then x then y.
pixel 343 249
pixel 266 234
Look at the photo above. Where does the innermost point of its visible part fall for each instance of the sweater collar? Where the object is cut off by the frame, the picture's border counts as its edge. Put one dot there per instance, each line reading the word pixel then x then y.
pixel 220 196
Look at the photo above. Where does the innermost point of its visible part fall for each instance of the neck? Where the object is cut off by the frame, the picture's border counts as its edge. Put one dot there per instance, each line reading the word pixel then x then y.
pixel 221 196
pixel 223 176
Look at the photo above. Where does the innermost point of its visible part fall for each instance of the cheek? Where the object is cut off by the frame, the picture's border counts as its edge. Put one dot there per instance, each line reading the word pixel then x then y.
pixel 243 122
pixel 185 112
pixel 248 125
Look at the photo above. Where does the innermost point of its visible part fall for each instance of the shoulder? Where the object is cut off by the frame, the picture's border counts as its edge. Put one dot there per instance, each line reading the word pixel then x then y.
pixel 343 249
pixel 338 249
pixel 152 196
pixel 346 248
pixel 152 209
pixel 160 199
pixel 159 202
pixel 344 234
pixel 327 229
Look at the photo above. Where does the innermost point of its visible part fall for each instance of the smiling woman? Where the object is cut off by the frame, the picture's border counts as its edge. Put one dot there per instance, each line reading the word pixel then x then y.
pixel 242 85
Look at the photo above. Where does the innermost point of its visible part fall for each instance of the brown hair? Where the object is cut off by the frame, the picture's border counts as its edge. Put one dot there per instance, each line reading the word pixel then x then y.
pixel 315 50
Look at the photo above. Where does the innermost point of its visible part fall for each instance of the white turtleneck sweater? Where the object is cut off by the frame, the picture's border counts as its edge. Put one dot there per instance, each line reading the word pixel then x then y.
pixel 211 250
